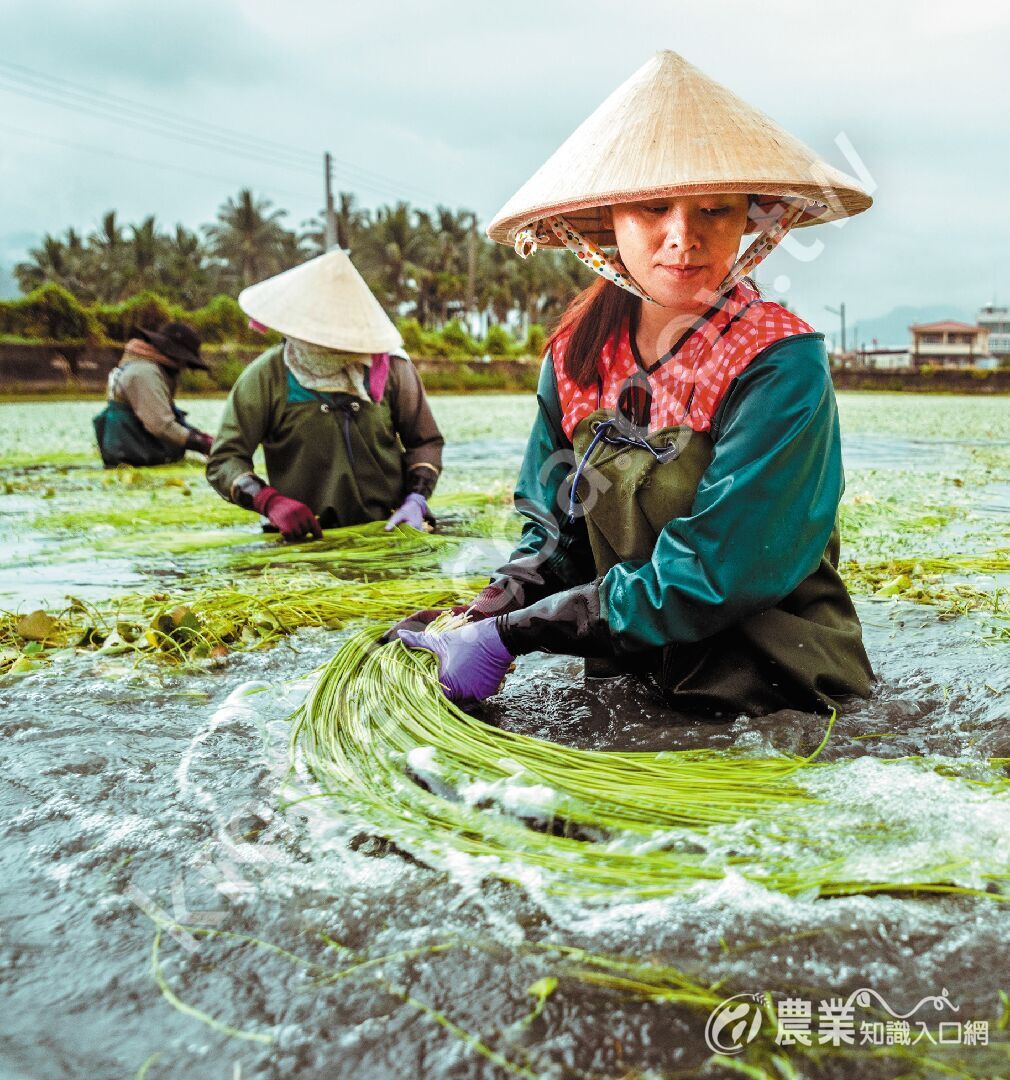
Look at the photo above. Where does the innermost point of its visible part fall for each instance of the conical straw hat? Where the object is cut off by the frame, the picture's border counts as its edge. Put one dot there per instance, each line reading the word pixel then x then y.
pixel 671 130
pixel 326 302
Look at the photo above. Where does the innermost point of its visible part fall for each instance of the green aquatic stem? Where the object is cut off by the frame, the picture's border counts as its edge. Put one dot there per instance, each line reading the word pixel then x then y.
pixel 628 979
pixel 381 743
pixel 253 613
pixel 365 966
pixel 363 547
pixel 189 1010
pixel 146 1064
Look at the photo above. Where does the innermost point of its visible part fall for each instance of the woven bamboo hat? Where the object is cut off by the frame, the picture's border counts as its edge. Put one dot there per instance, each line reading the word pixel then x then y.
pixel 671 130
pixel 326 302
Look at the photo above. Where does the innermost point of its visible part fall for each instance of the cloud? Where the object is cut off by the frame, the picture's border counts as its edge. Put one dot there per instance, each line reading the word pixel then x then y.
pixel 158 46
pixel 458 103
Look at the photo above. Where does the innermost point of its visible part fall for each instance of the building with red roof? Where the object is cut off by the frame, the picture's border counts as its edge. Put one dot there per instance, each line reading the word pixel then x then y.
pixel 948 344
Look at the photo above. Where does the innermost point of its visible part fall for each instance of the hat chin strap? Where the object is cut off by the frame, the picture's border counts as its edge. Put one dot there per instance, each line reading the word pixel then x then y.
pixel 772 234
pixel 607 266
pixel 529 239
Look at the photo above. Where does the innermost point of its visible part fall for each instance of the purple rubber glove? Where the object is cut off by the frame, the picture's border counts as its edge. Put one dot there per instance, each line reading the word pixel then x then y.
pixel 472 661
pixel 411 513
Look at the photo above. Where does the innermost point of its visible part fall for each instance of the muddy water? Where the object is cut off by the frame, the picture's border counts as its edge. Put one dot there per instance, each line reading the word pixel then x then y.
pixel 135 795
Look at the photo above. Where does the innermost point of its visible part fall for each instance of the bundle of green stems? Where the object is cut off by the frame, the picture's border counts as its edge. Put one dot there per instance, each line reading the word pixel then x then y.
pixel 381 742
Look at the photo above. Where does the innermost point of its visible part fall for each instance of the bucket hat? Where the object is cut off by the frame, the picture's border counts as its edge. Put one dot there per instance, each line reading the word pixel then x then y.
pixel 178 341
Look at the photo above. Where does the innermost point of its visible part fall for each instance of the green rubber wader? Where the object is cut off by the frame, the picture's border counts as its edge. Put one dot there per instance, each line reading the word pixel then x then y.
pixel 123 439
pixel 341 455
pixel 805 653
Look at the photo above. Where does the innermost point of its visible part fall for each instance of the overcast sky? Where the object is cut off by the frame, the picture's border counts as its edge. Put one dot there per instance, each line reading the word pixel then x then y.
pixel 459 102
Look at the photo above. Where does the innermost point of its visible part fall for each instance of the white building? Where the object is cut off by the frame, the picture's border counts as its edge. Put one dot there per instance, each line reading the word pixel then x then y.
pixel 887 358
pixel 995 321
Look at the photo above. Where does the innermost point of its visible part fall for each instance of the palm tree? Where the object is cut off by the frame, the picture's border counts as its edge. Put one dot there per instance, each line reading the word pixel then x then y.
pixel 496 285
pixel 108 238
pixel 393 254
pixel 351 221
pixel 184 273
pixel 47 262
pixel 450 255
pixel 63 261
pixel 144 245
pixel 108 260
pixel 249 238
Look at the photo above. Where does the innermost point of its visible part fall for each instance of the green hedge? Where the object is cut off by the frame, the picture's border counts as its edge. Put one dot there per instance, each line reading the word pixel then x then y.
pixel 51 313
pixel 491 377
pixel 455 343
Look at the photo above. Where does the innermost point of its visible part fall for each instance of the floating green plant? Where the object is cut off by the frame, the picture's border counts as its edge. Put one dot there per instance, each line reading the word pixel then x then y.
pixel 926 580
pixel 258 613
pixel 365 548
pixel 142 512
pixel 888 516
pixel 625 979
pixel 190 624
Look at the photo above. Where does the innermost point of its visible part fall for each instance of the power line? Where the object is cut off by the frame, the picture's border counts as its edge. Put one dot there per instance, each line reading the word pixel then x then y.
pixel 50 90
pixel 146 112
pixel 106 113
pixel 156 164
pixel 149 112
pixel 193 140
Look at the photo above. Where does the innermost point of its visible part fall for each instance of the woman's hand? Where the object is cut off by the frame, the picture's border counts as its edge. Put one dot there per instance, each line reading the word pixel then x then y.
pixel 420 621
pixel 491 601
pixel 412 512
pixel 292 519
pixel 472 661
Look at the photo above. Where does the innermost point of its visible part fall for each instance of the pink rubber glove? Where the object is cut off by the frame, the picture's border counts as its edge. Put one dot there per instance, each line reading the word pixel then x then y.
pixel 472 661
pixel 293 519
pixel 411 513
pixel 199 441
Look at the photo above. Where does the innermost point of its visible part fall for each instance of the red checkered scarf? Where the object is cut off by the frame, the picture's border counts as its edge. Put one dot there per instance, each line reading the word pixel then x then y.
pixel 688 388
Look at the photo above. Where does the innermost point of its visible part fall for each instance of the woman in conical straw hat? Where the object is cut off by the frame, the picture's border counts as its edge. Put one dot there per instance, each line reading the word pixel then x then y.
pixel 339 409
pixel 682 479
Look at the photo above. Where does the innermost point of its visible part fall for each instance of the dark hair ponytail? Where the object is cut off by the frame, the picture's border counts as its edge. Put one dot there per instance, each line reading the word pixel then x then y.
pixel 593 318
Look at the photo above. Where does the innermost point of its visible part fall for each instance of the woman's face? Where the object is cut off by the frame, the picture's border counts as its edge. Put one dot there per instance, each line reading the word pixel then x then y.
pixel 679 249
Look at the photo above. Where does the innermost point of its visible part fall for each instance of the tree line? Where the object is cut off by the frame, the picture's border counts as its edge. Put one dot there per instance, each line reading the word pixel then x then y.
pixel 432 266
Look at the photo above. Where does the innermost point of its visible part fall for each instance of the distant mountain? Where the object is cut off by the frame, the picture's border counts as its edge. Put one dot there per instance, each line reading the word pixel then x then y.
pixel 892 328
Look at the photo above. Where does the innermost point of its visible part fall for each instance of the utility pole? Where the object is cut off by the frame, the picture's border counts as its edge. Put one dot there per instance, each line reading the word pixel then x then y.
pixel 471 266
pixel 840 311
pixel 330 230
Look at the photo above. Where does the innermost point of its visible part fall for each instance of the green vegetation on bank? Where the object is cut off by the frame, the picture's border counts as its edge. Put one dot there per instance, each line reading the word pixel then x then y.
pixel 53 315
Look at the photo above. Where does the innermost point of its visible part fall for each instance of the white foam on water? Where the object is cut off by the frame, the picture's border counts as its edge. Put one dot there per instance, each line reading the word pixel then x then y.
pixel 511 793
pixel 422 759
pixel 894 820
